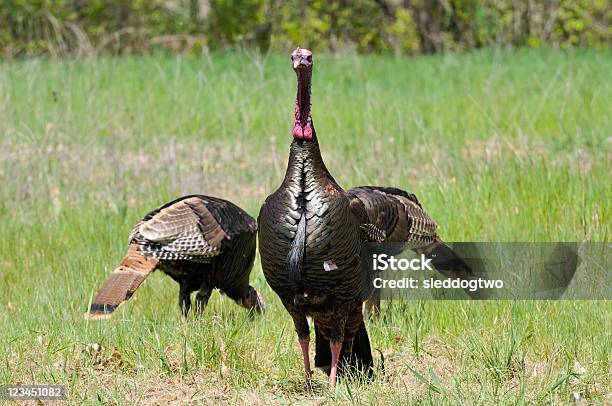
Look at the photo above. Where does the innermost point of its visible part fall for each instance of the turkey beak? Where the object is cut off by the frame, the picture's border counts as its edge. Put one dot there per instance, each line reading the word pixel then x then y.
pixel 297 63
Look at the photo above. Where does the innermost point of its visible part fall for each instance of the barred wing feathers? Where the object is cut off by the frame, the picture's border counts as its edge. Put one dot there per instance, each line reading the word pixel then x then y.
pixel 185 229
pixel 398 213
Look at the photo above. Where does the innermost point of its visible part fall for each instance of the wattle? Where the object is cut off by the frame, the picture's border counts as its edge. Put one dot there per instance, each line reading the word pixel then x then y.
pixel 302 132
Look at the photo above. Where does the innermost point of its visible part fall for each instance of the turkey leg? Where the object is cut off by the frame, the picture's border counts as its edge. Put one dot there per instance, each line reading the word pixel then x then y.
pixel 372 305
pixel 335 347
pixel 304 343
pixel 202 298
pixel 303 332
pixel 184 298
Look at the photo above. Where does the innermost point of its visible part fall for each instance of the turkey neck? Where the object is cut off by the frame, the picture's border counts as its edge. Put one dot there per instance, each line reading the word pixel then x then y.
pixel 305 169
pixel 302 99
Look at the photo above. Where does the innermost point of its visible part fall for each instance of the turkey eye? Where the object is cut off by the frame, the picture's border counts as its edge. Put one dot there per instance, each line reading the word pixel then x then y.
pixel 309 58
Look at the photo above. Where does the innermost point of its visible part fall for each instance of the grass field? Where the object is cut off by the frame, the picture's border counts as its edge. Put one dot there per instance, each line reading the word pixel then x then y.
pixel 498 146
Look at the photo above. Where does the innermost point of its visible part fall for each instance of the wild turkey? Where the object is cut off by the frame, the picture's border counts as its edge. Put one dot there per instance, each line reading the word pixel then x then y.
pixel 310 241
pixel 201 242
pixel 403 220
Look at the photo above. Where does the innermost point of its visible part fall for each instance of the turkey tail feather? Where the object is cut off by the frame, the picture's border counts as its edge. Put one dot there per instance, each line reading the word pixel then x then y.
pixel 122 283
pixel 446 261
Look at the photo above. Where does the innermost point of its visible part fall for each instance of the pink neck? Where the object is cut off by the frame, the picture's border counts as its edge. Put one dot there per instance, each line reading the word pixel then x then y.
pixel 302 126
pixel 302 129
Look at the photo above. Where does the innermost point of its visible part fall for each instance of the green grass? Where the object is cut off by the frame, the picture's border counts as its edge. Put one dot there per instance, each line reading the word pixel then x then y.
pixel 498 146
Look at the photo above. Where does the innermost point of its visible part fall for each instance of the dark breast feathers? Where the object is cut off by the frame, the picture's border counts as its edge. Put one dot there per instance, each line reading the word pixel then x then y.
pixel 310 202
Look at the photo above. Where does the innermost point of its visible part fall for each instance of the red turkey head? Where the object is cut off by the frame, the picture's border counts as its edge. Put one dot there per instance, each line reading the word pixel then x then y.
pixel 301 62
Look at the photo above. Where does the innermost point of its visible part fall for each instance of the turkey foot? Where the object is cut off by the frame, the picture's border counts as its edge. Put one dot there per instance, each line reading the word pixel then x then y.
pixel 335 351
pixel 304 343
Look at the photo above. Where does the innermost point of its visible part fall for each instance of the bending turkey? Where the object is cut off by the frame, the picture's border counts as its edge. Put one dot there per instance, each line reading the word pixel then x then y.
pixel 310 240
pixel 201 242
pixel 403 220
